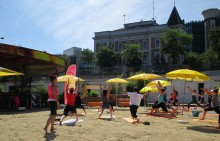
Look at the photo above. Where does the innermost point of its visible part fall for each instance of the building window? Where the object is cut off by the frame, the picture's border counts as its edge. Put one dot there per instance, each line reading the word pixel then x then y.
pixel 212 23
pixel 145 59
pixel 128 42
pixel 101 45
pixel 145 44
pixel 113 46
pixel 136 42
pixel 116 48
pixel 157 43
pixel 120 46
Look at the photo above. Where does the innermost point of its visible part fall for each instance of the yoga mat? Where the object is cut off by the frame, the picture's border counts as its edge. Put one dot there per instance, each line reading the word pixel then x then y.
pixel 164 115
pixel 71 122
pixel 206 120
pixel 130 120
pixel 107 117
pixel 212 114
pixel 83 114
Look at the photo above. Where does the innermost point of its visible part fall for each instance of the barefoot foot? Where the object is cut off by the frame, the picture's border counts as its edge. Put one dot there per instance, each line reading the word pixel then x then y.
pixel 52 129
pixel 45 129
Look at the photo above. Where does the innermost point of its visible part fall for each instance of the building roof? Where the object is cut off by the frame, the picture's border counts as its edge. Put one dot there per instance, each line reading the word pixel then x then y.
pixel 140 24
pixel 174 18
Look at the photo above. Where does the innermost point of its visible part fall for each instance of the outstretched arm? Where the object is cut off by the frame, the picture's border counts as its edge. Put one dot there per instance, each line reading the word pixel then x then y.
pixel 100 88
pixel 174 90
pixel 66 87
pixel 209 92
pixel 159 86
pixel 190 89
pixel 147 93
pixel 109 89
pixel 123 90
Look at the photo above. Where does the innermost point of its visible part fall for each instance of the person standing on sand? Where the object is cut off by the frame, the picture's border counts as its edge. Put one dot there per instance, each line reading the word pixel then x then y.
pixel 135 100
pixel 53 102
pixel 105 100
pixel 214 105
pixel 69 102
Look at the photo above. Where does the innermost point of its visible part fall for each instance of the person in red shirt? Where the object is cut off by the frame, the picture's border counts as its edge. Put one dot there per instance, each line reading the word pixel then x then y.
pixel 70 97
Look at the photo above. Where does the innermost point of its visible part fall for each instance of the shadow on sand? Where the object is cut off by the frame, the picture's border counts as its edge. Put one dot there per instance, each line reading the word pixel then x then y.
pixel 205 129
pixel 50 136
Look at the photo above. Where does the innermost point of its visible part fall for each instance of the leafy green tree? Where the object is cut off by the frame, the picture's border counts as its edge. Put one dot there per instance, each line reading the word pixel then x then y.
pixel 105 57
pixel 214 36
pixel 194 60
pixel 210 56
pixel 88 56
pixel 174 42
pixel 41 88
pixel 132 55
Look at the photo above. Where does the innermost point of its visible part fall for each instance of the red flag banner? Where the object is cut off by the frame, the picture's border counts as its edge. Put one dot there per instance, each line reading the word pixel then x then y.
pixel 71 70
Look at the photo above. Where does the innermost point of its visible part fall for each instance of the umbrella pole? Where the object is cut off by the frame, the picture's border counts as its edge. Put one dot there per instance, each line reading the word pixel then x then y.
pixel 184 95
pixel 116 97
pixel 145 104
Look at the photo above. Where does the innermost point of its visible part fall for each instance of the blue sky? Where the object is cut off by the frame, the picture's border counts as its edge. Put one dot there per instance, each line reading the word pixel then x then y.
pixel 56 25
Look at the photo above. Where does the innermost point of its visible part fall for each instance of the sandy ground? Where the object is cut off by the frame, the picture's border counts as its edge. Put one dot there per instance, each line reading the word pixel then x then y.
pixel 28 126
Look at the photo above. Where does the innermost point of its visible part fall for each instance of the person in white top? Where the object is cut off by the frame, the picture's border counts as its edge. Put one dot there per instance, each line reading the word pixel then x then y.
pixel 135 99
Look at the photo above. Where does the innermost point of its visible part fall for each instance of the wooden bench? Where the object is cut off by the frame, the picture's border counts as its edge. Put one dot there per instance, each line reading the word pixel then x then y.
pixel 123 102
pixel 94 104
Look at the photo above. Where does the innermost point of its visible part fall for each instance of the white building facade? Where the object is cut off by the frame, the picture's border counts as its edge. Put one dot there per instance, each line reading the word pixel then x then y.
pixel 145 33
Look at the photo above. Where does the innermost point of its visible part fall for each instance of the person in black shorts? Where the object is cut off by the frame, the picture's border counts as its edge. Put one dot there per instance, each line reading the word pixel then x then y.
pixel 214 104
pixel 78 103
pixel 70 95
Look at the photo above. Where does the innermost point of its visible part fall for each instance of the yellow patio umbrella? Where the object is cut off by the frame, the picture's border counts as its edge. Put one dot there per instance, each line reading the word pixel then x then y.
pixel 8 72
pixel 116 81
pixel 148 88
pixel 187 75
pixel 144 76
pixel 71 78
pixel 162 82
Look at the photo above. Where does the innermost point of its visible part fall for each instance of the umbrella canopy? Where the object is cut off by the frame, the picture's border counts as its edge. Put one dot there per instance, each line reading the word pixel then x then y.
pixel 7 72
pixel 116 80
pixel 162 82
pixel 144 76
pixel 186 74
pixel 148 88
pixel 71 78
pixel 30 61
